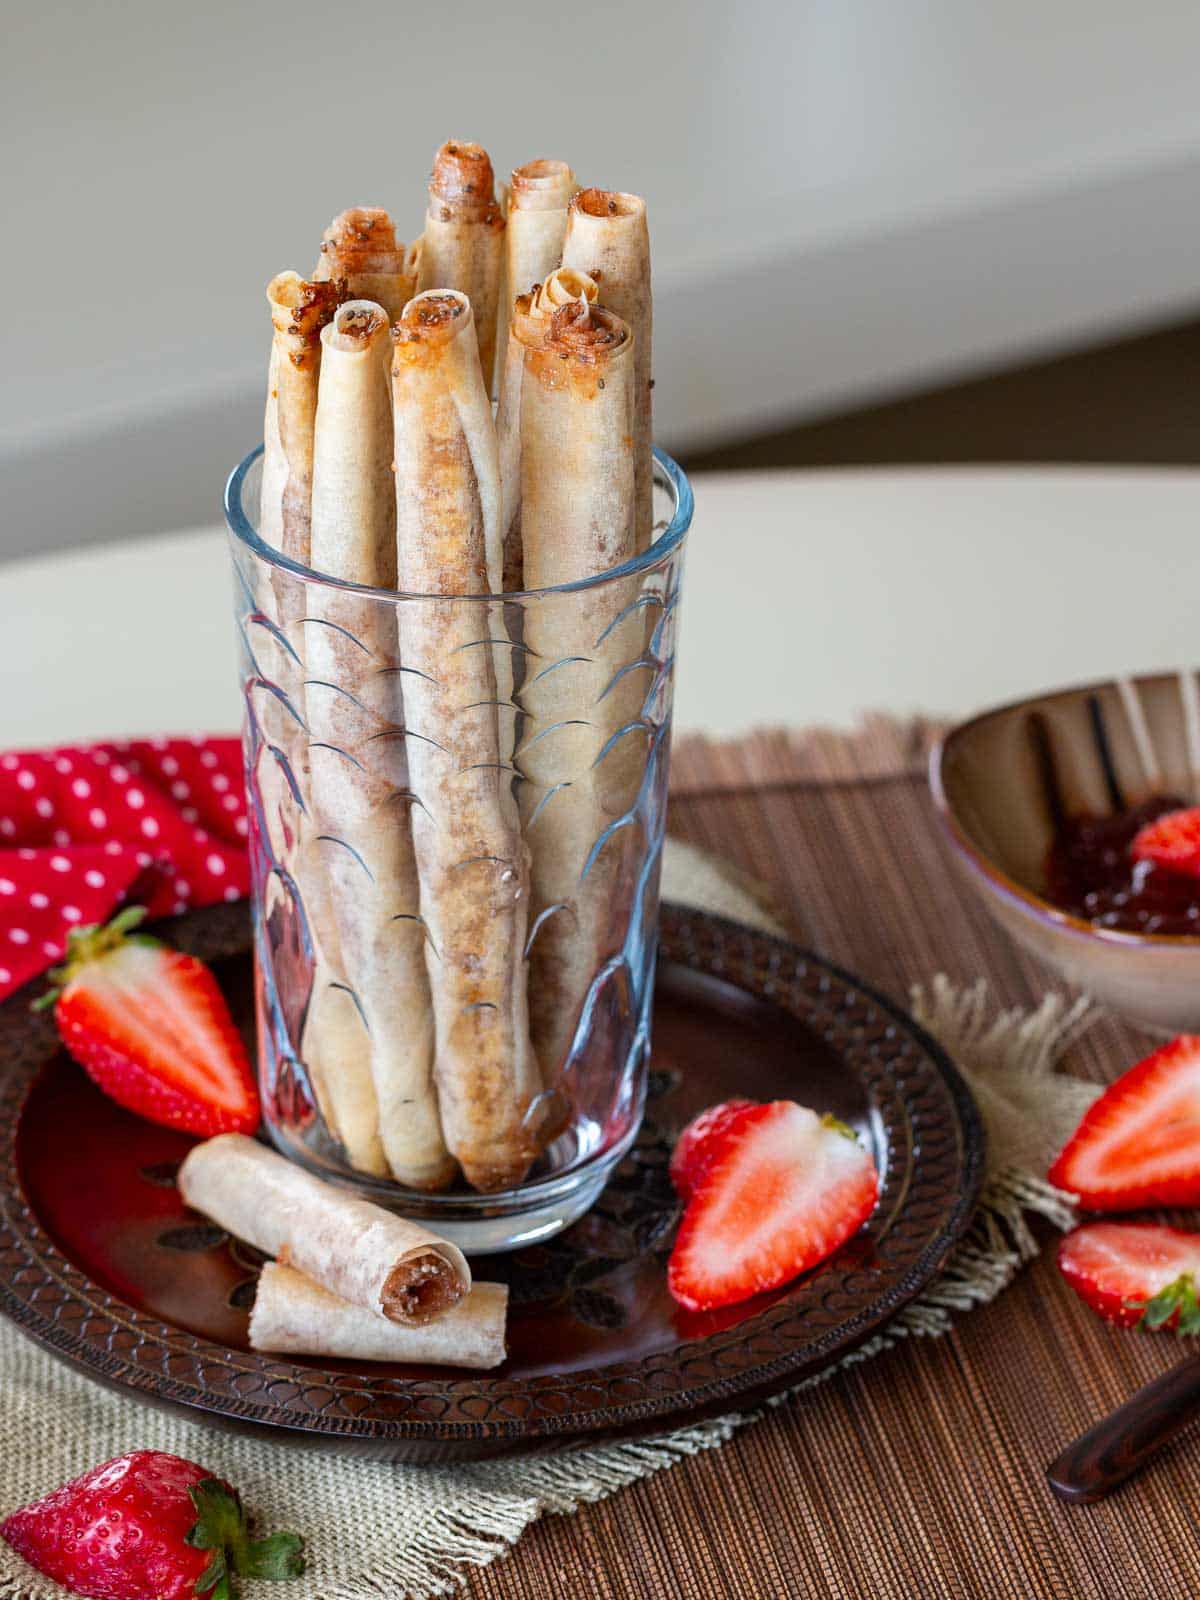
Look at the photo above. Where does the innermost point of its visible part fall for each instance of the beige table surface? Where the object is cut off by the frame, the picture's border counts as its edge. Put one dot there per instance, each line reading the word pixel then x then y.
pixel 809 597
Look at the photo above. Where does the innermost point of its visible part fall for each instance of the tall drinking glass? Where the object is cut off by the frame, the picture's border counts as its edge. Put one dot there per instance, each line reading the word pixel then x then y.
pixel 581 686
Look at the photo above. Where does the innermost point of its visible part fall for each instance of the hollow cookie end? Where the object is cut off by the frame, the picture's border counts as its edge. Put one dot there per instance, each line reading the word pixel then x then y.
pixel 419 1289
pixel 606 203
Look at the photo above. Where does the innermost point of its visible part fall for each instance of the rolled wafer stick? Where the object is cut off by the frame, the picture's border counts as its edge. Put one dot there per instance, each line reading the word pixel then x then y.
pixel 472 863
pixel 607 237
pixel 537 198
pixel 360 246
pixel 576 397
pixel 356 756
pixel 463 246
pixel 292 1315
pixel 299 311
pixel 335 1045
pixel 539 194
pixel 577 509
pixel 335 1032
pixel 273 483
pixel 533 311
pixel 349 1247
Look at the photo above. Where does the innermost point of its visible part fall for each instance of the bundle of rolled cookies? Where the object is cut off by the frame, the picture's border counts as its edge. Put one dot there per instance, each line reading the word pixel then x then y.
pixel 455 931
pixel 348 1279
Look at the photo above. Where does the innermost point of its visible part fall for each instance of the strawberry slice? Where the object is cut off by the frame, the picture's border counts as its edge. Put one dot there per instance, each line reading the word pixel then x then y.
pixel 1135 1273
pixel 1139 1144
pixel 1172 841
pixel 781 1190
pixel 151 1028
pixel 690 1155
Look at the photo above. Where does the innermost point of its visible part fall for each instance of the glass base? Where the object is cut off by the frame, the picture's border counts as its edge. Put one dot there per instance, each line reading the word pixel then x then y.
pixel 482 1224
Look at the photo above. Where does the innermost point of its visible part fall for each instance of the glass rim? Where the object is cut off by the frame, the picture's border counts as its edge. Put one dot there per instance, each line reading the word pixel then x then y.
pixel 243 531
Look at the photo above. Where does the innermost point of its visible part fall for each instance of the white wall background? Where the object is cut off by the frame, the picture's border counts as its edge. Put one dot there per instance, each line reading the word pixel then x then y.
pixel 847 197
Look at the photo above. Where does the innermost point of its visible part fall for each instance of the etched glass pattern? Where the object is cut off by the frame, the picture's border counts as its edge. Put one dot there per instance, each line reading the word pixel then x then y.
pixel 336 678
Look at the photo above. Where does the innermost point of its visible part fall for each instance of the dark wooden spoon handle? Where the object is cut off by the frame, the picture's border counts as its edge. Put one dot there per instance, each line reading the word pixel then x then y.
pixel 1123 1442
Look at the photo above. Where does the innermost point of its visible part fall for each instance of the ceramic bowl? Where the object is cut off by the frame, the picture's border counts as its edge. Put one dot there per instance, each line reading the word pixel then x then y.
pixel 1000 781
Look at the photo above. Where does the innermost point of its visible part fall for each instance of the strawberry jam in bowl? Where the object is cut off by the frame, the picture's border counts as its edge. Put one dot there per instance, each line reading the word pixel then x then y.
pixel 1133 870
pixel 1072 815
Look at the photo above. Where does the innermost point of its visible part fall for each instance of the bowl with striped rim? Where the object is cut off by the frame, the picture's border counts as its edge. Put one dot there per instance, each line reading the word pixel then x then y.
pixel 1005 781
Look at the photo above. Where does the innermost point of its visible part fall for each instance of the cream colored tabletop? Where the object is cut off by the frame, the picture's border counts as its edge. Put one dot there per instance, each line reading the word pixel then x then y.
pixel 810 596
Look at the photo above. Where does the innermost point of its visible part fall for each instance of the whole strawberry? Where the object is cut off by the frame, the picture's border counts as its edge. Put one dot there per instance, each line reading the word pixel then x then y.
pixel 147 1526
pixel 150 1027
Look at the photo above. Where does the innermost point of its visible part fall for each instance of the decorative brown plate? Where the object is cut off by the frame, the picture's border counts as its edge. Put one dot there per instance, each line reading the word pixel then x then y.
pixel 101 1262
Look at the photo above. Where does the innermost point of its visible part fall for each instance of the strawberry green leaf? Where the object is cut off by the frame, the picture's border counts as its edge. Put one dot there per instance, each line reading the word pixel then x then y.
pixel 280 1555
pixel 220 1521
pixel 836 1125
pixel 221 1526
pixel 213 1582
pixel 1160 1309
pixel 127 920
pixel 1177 1300
pixel 92 943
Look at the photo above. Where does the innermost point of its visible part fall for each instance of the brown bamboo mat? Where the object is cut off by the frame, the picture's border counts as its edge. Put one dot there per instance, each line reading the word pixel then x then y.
pixel 921 1472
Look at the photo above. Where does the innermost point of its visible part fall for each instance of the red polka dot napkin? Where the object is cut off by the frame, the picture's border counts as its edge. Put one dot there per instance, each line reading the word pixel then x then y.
pixel 153 822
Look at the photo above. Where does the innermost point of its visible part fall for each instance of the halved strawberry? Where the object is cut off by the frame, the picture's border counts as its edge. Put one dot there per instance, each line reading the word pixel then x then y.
pixel 151 1028
pixel 782 1189
pixel 1139 1144
pixel 690 1155
pixel 1135 1272
pixel 1173 841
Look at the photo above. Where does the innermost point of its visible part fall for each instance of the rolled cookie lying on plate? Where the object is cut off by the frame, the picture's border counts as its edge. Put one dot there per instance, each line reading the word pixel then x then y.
pixel 294 1316
pixel 355 1250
